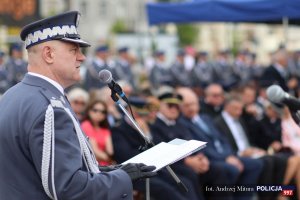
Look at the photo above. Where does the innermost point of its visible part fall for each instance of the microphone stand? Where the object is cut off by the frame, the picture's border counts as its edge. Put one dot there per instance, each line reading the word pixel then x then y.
pixel 148 144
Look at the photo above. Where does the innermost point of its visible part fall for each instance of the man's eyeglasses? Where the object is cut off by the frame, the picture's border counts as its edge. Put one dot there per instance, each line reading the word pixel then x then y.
pixel 99 111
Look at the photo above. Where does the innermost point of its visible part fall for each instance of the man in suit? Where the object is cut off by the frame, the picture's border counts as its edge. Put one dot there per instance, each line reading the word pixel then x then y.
pixel 240 171
pixel 212 104
pixel 43 152
pixel 277 73
pixel 233 127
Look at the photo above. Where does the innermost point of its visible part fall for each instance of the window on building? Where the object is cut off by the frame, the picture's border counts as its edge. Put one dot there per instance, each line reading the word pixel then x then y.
pixel 83 7
pixel 103 8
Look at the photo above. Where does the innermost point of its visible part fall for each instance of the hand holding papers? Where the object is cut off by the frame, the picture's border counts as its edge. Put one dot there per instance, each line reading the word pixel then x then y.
pixel 165 154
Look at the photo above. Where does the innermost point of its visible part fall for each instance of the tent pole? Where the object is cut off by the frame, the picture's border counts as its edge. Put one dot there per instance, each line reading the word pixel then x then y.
pixel 285 26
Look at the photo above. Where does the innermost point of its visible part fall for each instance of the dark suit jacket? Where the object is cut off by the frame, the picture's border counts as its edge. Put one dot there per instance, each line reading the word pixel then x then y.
pixel 223 127
pixel 210 150
pixel 272 76
pixel 126 142
pixel 268 132
pixel 209 109
pixel 22 119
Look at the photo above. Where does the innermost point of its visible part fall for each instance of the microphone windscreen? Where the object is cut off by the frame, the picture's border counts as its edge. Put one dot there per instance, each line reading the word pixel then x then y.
pixel 275 93
pixel 105 76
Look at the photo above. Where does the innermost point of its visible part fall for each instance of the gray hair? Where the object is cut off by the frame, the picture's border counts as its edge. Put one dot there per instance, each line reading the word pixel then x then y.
pixel 78 92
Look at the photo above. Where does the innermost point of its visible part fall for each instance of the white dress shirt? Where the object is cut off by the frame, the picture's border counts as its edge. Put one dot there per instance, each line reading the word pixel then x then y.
pixel 237 131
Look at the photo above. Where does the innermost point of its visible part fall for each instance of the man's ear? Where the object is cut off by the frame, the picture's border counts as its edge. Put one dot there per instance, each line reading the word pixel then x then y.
pixel 47 54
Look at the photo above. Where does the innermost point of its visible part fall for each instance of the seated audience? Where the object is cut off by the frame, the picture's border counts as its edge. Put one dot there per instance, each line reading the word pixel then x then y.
pixel 195 167
pixel 239 170
pixel 278 168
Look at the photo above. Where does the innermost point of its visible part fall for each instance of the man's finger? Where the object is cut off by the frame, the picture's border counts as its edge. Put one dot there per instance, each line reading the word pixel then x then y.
pixel 149 174
pixel 147 168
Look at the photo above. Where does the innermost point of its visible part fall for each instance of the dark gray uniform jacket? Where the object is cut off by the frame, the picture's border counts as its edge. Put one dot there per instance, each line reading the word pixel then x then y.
pixel 22 115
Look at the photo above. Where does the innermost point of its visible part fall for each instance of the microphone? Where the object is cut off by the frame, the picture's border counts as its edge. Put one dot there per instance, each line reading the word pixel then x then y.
pixel 105 76
pixel 276 95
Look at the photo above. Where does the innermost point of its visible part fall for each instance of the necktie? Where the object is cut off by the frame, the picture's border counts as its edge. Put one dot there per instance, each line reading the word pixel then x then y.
pixel 202 125
pixel 207 131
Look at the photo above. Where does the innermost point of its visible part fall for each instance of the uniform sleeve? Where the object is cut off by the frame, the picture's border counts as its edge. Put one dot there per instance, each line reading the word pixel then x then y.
pixel 72 181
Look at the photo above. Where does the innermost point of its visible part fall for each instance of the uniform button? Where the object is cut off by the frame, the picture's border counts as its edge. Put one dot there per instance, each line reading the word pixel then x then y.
pixel 124 195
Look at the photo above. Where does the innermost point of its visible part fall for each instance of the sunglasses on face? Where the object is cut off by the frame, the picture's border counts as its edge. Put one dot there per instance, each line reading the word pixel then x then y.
pixel 173 105
pixel 99 111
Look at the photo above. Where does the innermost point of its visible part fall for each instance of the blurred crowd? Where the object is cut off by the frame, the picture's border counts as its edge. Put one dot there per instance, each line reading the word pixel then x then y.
pixel 218 99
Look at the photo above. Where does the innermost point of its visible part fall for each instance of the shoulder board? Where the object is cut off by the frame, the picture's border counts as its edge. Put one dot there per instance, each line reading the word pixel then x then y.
pixel 53 99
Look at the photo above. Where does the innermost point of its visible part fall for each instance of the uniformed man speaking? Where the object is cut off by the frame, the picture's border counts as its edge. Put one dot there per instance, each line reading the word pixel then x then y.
pixel 43 152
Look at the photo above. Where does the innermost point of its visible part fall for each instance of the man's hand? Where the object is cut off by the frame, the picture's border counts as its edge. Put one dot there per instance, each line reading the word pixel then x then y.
pixel 138 171
pixel 199 163
pixel 253 152
pixel 204 163
pixel 235 162
pixel 292 83
pixel 276 146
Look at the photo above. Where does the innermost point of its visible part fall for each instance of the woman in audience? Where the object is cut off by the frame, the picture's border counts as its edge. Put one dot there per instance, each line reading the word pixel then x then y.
pixel 95 125
pixel 290 132
pixel 281 136
pixel 291 140
pixel 268 135
pixel 113 114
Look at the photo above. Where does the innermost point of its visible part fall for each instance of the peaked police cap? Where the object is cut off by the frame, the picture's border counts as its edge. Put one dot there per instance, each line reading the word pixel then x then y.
pixel 59 27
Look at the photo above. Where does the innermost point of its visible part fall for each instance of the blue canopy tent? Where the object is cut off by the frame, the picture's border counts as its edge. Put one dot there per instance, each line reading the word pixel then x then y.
pixel 258 11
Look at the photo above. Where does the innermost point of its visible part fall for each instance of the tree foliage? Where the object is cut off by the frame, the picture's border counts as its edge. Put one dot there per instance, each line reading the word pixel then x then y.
pixel 119 26
pixel 187 34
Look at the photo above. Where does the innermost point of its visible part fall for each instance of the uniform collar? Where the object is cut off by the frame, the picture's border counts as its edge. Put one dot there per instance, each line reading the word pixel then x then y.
pixel 52 82
pixel 42 83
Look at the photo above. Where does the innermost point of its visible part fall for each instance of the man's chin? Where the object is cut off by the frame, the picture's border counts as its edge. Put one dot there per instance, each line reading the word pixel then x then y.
pixel 73 82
